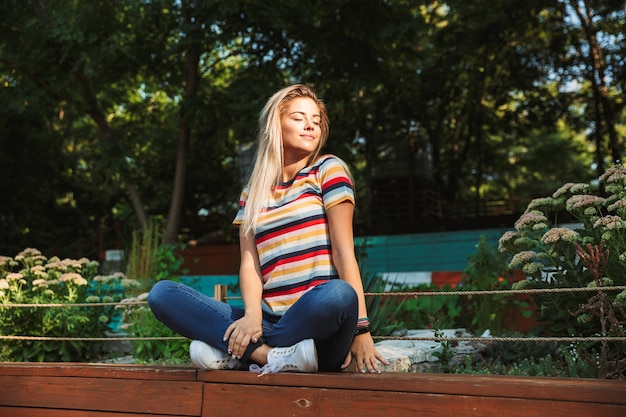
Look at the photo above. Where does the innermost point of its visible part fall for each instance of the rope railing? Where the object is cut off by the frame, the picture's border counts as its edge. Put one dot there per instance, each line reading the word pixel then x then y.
pixel 379 338
pixel 62 305
pixel 500 292
pixel 221 294
pixel 375 338
pixel 367 294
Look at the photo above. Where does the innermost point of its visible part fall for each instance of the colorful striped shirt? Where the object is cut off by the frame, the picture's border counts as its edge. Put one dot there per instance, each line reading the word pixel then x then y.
pixel 292 236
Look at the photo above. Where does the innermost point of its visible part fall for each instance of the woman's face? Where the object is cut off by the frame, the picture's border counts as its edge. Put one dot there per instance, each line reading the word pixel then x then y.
pixel 301 131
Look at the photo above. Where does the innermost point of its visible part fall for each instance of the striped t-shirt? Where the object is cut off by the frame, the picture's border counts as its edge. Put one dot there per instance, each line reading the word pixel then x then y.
pixel 292 236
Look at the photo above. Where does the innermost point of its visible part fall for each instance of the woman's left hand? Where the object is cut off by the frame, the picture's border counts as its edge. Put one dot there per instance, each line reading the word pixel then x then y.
pixel 364 354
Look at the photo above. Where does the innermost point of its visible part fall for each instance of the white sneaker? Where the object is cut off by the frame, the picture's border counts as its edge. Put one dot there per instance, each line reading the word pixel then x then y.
pixel 206 356
pixel 301 357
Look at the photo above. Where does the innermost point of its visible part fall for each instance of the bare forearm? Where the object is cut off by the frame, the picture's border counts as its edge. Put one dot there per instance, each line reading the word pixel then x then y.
pixel 251 292
pixel 349 271
pixel 250 280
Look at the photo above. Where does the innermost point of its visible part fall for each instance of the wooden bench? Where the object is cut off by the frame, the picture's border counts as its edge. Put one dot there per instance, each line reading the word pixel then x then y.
pixel 105 390
pixel 90 390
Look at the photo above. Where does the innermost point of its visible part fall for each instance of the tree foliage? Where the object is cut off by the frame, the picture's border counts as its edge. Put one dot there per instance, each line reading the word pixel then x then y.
pixel 116 111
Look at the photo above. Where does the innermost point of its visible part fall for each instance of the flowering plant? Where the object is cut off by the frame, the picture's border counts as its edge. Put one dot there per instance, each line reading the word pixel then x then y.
pixel 590 253
pixel 30 278
pixel 487 270
pixel 137 320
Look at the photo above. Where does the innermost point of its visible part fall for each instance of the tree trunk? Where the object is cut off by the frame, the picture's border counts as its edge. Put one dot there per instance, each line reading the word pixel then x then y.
pixel 605 121
pixel 184 135
pixel 140 210
pixel 100 120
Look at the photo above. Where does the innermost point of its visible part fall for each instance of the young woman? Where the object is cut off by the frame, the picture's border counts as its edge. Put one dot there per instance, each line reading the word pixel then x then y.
pixel 304 307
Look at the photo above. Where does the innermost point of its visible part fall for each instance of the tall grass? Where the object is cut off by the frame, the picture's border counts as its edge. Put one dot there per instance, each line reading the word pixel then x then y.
pixel 143 255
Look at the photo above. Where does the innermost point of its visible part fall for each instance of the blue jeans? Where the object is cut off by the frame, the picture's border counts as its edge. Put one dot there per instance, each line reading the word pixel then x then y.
pixel 327 314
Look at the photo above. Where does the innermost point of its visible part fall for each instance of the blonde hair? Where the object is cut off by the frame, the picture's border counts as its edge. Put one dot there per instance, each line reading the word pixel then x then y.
pixel 268 164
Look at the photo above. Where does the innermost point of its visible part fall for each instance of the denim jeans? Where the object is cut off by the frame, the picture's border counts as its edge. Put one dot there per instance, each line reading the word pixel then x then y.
pixel 327 314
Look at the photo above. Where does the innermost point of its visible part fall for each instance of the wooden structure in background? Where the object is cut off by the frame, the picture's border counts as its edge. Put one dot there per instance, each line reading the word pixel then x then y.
pixel 211 260
pixel 97 390
pixel 421 252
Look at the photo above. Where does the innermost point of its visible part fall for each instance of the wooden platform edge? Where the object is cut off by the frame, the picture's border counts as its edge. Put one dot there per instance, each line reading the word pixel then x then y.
pixel 82 390
pixel 542 388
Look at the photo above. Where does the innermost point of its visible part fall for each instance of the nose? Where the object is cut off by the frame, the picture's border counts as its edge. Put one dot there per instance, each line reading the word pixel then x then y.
pixel 308 126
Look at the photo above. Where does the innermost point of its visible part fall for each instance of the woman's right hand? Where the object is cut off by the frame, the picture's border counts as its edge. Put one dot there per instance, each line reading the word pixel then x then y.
pixel 241 333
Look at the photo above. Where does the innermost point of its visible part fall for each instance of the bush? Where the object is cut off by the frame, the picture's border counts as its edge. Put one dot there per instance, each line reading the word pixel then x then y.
pixel 590 254
pixel 547 359
pixel 487 269
pixel 151 261
pixel 31 278
pixel 436 312
pixel 138 321
pixel 382 310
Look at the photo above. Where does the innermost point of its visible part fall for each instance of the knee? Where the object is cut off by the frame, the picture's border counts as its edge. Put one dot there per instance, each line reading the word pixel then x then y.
pixel 342 292
pixel 343 288
pixel 159 294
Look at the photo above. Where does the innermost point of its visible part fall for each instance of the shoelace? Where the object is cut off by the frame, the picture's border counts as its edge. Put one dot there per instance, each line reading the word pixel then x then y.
pixel 233 364
pixel 269 368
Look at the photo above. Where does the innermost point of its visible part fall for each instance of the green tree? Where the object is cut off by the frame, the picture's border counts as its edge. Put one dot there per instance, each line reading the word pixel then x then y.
pixel 592 44
pixel 34 195
pixel 457 103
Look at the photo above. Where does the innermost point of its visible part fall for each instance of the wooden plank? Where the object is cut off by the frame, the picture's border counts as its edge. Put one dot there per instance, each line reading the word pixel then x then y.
pixel 435 251
pixel 211 259
pixel 47 412
pixel 87 390
pixel 557 389
pixel 180 398
pixel 295 401
pixel 94 370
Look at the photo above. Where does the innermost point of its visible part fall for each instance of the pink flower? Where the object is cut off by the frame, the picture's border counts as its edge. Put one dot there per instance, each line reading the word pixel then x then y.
pixel 530 219
pixel 522 258
pixel 581 202
pixel 614 174
pixel 29 252
pixel 40 283
pixel 571 188
pixel 610 223
pixel 74 278
pixel 542 204
pixel 507 239
pixel 56 264
pixel 559 233
pixel 14 276
pixel 72 263
pixel 619 204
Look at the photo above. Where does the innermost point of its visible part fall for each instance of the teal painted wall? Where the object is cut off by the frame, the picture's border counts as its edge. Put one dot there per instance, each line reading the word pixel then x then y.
pixel 423 252
pixel 445 251
pixel 206 285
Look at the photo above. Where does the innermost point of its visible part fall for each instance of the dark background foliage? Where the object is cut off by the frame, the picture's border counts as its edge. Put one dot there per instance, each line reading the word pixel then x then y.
pixel 451 115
